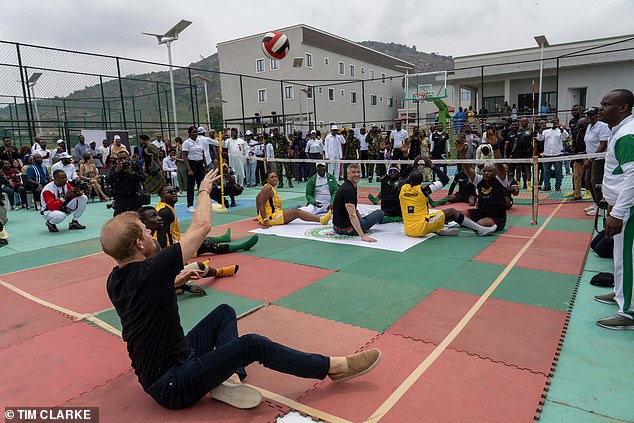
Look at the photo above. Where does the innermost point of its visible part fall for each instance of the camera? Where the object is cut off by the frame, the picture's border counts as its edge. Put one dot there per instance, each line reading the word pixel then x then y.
pixel 125 164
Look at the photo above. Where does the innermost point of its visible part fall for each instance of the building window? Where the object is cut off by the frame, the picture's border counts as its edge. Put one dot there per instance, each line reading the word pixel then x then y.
pixel 262 96
pixel 275 64
pixel 370 73
pixel 259 65
pixel 309 60
pixel 326 61
pixel 372 99
pixel 352 71
pixel 390 102
pixel 320 90
pixel 331 94
pixel 342 68
pixel 382 78
pixel 396 102
pixel 289 92
pixel 343 93
pixel 353 97
pixel 309 91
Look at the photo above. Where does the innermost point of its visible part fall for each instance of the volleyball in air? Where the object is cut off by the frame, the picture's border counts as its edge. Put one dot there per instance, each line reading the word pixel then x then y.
pixel 275 45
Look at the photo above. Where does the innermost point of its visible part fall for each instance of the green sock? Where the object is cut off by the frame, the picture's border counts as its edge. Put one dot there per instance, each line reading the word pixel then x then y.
pixel 373 199
pixel 439 202
pixel 390 219
pixel 222 238
pixel 245 244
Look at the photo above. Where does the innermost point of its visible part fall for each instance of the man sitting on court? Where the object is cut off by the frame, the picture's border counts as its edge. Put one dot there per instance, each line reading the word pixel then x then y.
pixel 415 200
pixel 59 199
pixel 177 370
pixel 491 188
pixel 346 219
pixel 269 207
pixel 320 191
pixel 169 233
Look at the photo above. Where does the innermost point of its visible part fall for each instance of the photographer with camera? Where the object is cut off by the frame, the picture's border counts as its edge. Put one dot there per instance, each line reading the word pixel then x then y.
pixel 125 180
pixel 59 199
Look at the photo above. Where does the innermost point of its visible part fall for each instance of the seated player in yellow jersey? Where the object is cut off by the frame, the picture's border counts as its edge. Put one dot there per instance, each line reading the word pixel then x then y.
pixel 414 200
pixel 269 207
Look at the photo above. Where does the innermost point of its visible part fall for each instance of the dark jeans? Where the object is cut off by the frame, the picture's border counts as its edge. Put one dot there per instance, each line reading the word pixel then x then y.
pixel 216 352
pixel 11 194
pixel 363 155
pixel 124 203
pixel 313 166
pixel 260 172
pixel 199 174
pixel 366 223
pixel 594 177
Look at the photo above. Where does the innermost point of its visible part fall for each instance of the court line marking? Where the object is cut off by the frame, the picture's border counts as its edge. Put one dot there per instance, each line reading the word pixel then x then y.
pixel 50 264
pixel 391 401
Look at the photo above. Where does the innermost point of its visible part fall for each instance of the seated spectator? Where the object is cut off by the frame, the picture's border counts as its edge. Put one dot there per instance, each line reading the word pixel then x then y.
pixel 232 188
pixel 25 153
pixel 11 183
pixel 170 168
pixel 4 235
pixel 57 153
pixel 96 155
pixel 269 207
pixel 320 191
pixel 118 146
pixel 66 164
pixel 89 176
pixel 59 199
pixel 346 219
pixel 7 150
pixel 36 177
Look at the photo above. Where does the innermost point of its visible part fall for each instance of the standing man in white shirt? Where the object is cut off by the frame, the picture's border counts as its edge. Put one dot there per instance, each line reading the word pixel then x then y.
pixel 251 162
pixel 398 138
pixel 363 151
pixel 159 143
pixel 553 146
pixel 596 139
pixel 314 149
pixel 40 146
pixel 207 144
pixel 236 149
pixel 333 150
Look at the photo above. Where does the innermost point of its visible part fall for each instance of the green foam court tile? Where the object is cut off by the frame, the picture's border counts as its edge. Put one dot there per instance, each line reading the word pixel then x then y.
pixel 557 224
pixel 597 264
pixel 462 248
pixel 269 245
pixel 326 255
pixel 88 246
pixel 594 370
pixel 553 412
pixel 193 308
pixel 34 258
pixel 357 300
pixel 407 268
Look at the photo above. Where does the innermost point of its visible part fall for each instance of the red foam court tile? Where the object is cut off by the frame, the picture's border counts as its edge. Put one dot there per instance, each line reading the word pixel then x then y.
pixel 517 334
pixel 22 319
pixel 265 279
pixel 569 211
pixel 357 399
pixel 61 364
pixel 56 275
pixel 244 225
pixel 303 332
pixel 552 251
pixel 123 400
pixel 87 296
pixel 461 388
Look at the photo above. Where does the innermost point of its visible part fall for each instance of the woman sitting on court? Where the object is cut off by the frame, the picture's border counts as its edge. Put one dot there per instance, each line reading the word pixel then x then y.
pixel 269 207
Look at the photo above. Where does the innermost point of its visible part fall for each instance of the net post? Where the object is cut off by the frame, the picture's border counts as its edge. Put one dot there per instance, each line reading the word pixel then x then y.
pixel 535 187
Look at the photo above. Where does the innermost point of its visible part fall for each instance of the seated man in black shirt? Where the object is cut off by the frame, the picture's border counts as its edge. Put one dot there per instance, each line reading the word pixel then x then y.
pixel 466 190
pixel 346 219
pixel 178 370
pixel 491 187
pixel 390 188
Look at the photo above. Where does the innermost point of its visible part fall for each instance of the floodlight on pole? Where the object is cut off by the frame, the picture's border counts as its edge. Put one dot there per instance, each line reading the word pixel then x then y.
pixel 205 80
pixel 541 42
pixel 31 82
pixel 167 38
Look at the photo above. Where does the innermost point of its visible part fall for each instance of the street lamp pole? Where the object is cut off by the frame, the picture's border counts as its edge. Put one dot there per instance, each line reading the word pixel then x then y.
pixel 205 80
pixel 407 69
pixel 167 39
pixel 32 81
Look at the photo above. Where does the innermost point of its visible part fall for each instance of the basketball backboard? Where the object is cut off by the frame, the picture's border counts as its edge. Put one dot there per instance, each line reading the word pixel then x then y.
pixel 425 86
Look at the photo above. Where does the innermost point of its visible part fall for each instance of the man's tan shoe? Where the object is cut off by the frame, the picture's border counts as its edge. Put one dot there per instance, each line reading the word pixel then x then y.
pixel 237 395
pixel 358 364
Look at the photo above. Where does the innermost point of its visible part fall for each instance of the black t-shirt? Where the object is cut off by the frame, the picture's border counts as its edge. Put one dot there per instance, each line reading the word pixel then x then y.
pixel 524 141
pixel 414 148
pixel 347 194
pixel 509 140
pixel 491 199
pixel 143 295
pixel 390 203
pixel 440 144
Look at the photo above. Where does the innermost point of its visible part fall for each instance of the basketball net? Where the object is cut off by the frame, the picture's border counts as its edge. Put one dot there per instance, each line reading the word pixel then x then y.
pixel 421 95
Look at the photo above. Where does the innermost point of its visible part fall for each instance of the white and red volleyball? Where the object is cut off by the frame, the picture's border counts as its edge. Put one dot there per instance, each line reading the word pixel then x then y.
pixel 275 45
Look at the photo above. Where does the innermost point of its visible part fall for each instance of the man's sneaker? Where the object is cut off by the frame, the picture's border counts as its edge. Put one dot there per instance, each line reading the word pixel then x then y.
pixel 75 225
pixel 591 212
pixel 592 208
pixel 570 194
pixel 191 209
pixel 358 364
pixel 587 195
pixel 606 298
pixel 546 189
pixel 3 242
pixel 616 322
pixel 237 395
pixel 51 227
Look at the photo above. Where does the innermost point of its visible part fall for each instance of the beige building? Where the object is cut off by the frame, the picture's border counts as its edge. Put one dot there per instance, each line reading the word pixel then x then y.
pixel 324 79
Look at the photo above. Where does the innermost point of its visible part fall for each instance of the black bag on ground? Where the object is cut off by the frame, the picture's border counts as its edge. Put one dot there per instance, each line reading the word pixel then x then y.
pixel 604 279
pixel 602 245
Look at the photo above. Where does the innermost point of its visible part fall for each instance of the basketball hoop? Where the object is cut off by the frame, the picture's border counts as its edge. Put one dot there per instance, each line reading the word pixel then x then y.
pixel 421 95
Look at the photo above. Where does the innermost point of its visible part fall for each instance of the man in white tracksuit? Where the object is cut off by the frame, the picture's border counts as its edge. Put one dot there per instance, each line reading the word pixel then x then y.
pixel 618 191
pixel 236 149
pixel 333 150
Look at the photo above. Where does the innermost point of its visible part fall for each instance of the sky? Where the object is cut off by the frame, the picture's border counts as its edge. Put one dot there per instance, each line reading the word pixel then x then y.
pixel 458 28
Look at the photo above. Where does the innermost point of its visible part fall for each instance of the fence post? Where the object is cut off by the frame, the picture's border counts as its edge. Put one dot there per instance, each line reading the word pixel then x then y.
pixel 158 97
pixel 282 102
pixel 314 108
pixel 535 205
pixel 24 80
pixel 191 96
pixel 136 127
pixel 103 104
pixel 125 125
pixel 363 100
pixel 242 103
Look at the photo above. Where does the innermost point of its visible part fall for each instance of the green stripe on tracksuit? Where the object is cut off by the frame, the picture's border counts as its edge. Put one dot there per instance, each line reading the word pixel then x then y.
pixel 623 266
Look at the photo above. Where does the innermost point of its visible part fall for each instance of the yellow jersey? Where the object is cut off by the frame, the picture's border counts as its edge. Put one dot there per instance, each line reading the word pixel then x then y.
pixel 170 232
pixel 415 210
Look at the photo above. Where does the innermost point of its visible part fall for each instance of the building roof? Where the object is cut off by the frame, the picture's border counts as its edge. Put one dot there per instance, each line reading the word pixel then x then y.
pixel 330 42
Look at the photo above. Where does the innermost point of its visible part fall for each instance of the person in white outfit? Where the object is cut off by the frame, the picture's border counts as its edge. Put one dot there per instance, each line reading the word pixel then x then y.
pixel 170 169
pixel 59 199
pixel 236 149
pixel 333 150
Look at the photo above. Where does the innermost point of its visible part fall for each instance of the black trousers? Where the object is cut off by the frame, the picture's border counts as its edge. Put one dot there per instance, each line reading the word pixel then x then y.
pixel 199 174
pixel 124 203
pixel 363 155
pixel 260 173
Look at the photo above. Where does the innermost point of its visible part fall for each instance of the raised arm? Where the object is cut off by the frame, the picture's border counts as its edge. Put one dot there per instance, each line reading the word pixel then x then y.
pixel 461 149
